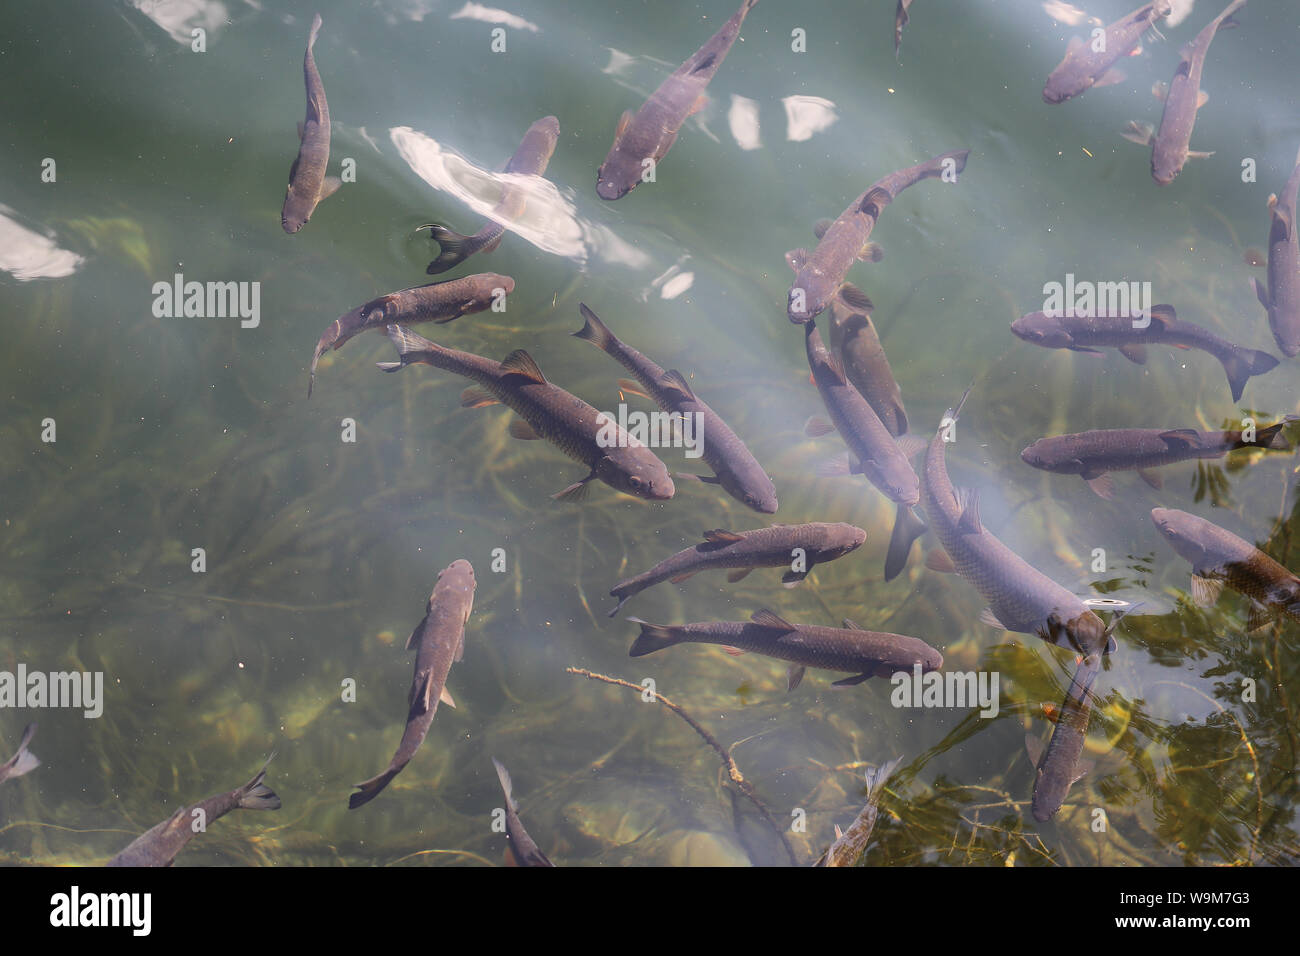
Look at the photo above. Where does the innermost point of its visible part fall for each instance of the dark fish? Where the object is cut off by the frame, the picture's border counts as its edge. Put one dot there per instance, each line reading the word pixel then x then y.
pixel 545 411
pixel 900 20
pixel 850 844
pixel 160 845
pixel 530 159
pixel 1080 334
pixel 24 761
pixel 819 274
pixel 857 346
pixel 1083 67
pixel 1090 455
pixel 873 451
pixel 308 183
pixel 439 640
pixel 736 470
pixel 437 302
pixel 860 652
pixel 1021 598
pixel 522 847
pixel 1170 146
pixel 649 134
pixel 1282 298
pixel 1057 768
pixel 772 547
pixel 1219 557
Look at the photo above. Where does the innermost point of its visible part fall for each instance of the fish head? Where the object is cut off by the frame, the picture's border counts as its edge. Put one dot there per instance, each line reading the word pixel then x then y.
pixel 1085 632
pixel 1039 328
pixel 650 481
pixel 809 296
pixel 1179 529
pixel 1043 454
pixel 931 660
pixel 618 175
pixel 843 539
pixel 1161 9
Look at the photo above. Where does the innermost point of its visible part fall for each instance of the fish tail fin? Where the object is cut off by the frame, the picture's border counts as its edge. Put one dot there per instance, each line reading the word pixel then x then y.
pixel 1241 364
pixel 907 528
pixel 25 761
pixel 876 778
pixel 256 795
pixel 315 31
pixel 622 599
pixel 506 786
pixel 594 330
pixel 451 248
pixel 412 349
pixel 653 637
pixel 321 348
pixel 367 790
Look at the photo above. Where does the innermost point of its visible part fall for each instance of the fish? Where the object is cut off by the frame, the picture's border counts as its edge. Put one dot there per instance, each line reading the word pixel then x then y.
pixel 641 141
pixel 24 761
pixel 522 847
pixel 530 159
pixel 1126 333
pixel 857 346
pixel 308 183
pixel 1021 598
pixel 820 274
pixel 1170 145
pixel 1219 557
pixel 160 845
pixel 860 652
pixel 873 451
pixel 1282 297
pixel 1085 67
pixel 439 641
pixel 820 542
pixel 850 844
pixel 545 411
pixel 1092 454
pixel 437 302
pixel 900 20
pixel 1057 768
pixel 733 465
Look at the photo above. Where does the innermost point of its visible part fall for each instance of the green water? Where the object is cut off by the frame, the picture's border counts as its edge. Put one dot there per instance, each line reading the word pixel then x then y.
pixel 183 433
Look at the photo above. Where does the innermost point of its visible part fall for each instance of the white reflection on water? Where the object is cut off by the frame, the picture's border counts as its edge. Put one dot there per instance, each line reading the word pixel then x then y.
pixel 806 116
pixel 743 120
pixel 476 11
pixel 29 255
pixel 179 17
pixel 549 219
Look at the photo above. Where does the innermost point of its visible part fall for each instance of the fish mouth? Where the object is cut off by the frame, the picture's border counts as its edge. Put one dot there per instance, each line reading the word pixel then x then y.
pixel 608 189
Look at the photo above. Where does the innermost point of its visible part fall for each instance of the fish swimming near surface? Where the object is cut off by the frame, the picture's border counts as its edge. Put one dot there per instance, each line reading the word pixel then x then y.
pixel 873 451
pixel 160 845
pixel 522 847
pixel 530 159
pixel 782 545
pixel 24 761
pixel 437 302
pixel 856 344
pixel 308 183
pixel 860 652
pixel 1282 297
pixel 439 642
pixel 643 140
pixel 545 411
pixel 820 274
pixel 1059 766
pixel 1092 455
pixel 1219 557
pixel 1085 67
pixel 850 844
pixel 1021 598
pixel 1171 144
pixel 1132 333
pixel 900 20
pixel 734 467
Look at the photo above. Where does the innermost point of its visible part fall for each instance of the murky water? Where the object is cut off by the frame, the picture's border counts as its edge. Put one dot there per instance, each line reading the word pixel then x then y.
pixel 175 434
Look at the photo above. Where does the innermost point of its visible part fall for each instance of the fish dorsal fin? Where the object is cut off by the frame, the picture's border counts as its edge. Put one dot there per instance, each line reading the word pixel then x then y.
pixel 1034 747
pixel 721 536
pixel 764 617
pixel 520 362
pixel 1181 437
pixel 704 64
pixel 675 381
pixel 849 625
pixel 1164 315
pixel 855 298
pixel 820 227
pixel 968 500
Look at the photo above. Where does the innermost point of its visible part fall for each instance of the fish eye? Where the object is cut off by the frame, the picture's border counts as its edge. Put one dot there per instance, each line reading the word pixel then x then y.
pixel 635 482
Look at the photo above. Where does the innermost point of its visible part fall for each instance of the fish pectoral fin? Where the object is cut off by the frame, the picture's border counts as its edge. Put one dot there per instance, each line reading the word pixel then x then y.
pixel 731 651
pixel 300 136
pixel 1134 353
pixel 1144 134
pixel 1260 616
pixel 738 575
pixel 1081 770
pixel 1262 294
pixel 1160 90
pixel 968 500
pixel 1199 154
pixel 707 479
pixel 722 536
pixel 684 576
pixel 851 681
pixel 988 617
pixel 623 122
pixel 793 675
pixel 446 697
pixel 701 101
pixel 1152 478
pixel 836 467
pixel 422 694
pixel 871 252
pixel 1202 98
pixel 764 617
pixel 1164 316
pixel 477 397
pixel 520 362
pixel 1034 747
pixel 795 258
pixel 793 578
pixel 855 298
pixel 1103 486
pixel 1205 591
pixel 937 559
pixel 1111 77
pixel 911 445
pixel 816 427
pixel 675 382
pixel 875 200
pixel 576 491
pixel 328 187
pixel 632 388
pixel 820 227
pixel 415 635
pixel 1084 348
pixel 522 430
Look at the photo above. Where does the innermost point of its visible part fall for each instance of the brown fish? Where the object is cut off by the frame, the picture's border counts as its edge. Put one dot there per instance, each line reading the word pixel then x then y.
pixel 522 847
pixel 857 346
pixel 1085 66
pixel 308 183
pixel 439 640
pixel 1057 768
pixel 1282 297
pixel 850 844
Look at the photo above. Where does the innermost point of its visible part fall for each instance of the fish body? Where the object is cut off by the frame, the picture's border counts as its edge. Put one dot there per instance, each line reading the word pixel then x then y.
pixel 850 844
pixel 159 845
pixel 522 847
pixel 439 641
pixel 859 652
pixel 530 159
pixel 1092 454
pixel 23 761
pixel 1126 333
pixel 1058 767
pixel 308 183
pixel 437 302
pixel 546 411
pixel 735 468
pixel 1021 598
pixel 855 343
pixel 820 273
pixel 1171 145
pixel 647 136
pixel 1219 557
pixel 1085 67
pixel 818 542
pixel 901 19
pixel 1282 297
